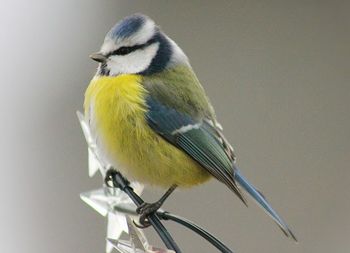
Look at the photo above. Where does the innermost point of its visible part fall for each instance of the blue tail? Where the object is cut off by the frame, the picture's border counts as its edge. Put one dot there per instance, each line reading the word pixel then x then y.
pixel 260 199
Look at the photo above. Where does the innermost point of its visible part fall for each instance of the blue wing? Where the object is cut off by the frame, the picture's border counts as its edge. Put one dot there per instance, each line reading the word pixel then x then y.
pixel 206 145
pixel 192 137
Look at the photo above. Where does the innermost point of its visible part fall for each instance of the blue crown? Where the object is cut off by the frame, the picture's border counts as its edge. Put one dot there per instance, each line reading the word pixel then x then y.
pixel 127 27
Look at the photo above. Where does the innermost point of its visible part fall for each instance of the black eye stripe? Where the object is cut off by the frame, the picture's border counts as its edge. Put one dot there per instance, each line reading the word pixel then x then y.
pixel 128 50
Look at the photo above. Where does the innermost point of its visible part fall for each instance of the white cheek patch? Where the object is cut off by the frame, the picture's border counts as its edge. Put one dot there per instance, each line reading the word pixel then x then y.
pixel 134 62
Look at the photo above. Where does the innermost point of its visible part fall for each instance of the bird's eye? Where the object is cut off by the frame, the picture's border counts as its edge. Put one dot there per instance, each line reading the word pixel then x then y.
pixel 128 50
pixel 124 50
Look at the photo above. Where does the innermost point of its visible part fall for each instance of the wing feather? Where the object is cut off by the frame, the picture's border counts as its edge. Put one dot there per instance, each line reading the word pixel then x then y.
pixel 199 143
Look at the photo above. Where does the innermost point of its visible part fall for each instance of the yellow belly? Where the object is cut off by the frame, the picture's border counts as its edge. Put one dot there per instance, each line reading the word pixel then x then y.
pixel 116 109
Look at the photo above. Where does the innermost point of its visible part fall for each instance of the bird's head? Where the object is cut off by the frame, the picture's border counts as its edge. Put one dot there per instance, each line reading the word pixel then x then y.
pixel 135 45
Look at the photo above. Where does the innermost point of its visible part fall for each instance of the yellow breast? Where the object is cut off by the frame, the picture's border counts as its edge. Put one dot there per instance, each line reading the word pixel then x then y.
pixel 116 109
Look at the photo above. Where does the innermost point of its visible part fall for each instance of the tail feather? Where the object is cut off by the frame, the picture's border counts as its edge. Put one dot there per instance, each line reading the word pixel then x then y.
pixel 261 200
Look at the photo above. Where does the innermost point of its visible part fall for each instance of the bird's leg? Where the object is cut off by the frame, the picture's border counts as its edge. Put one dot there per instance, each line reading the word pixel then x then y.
pixel 146 209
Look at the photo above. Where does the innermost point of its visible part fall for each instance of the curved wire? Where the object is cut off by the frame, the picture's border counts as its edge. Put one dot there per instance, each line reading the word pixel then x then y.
pixel 195 228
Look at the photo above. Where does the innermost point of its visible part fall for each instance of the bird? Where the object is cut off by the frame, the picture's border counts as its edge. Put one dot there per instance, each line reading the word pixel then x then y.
pixel 152 120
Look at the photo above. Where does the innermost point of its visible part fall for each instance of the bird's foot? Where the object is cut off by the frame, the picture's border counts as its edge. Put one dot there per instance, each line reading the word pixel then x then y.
pixel 145 210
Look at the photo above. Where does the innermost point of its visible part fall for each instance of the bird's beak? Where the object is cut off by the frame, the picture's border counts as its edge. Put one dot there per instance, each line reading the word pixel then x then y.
pixel 99 57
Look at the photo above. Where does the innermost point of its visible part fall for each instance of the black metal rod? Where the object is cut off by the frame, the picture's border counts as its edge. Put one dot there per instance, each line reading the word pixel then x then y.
pixel 154 219
pixel 197 229
pixel 123 184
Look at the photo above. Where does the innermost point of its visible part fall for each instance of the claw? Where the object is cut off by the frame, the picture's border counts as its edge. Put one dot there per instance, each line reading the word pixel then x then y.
pixel 108 180
pixel 145 210
pixel 143 226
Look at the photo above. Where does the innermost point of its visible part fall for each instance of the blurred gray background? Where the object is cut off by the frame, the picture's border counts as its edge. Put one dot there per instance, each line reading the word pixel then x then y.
pixel 277 73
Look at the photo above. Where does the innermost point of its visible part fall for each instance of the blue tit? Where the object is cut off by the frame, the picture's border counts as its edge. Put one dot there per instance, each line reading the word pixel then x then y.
pixel 151 118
